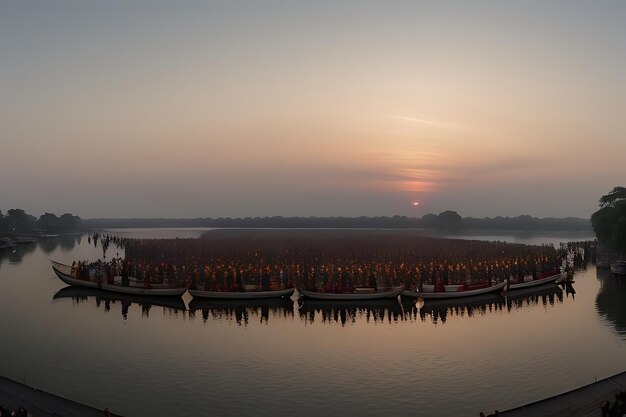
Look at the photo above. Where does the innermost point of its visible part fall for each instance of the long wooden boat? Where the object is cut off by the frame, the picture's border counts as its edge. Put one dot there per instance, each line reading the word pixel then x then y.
pixel 158 290
pixel 427 295
pixel 242 295
pixel 67 274
pixel 534 283
pixel 618 268
pixel 392 293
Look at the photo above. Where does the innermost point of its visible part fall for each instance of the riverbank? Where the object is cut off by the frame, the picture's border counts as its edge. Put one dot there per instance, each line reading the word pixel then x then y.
pixel 14 395
pixel 583 401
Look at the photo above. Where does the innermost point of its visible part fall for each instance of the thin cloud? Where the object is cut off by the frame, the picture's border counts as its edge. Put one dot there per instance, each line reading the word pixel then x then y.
pixel 429 122
pixel 422 121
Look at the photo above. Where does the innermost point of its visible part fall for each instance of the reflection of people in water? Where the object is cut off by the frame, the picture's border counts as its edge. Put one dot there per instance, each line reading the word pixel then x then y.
pixel 242 312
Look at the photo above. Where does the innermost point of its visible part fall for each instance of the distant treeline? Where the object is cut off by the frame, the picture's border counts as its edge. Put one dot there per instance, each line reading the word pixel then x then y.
pixel 446 221
pixel 17 221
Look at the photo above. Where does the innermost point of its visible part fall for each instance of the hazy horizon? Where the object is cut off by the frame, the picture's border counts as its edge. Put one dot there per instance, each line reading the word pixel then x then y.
pixel 250 109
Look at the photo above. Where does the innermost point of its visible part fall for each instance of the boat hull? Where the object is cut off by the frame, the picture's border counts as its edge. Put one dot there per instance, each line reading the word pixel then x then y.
pixel 134 290
pixel 242 295
pixel 69 280
pixel 537 282
pixel 352 296
pixel 453 294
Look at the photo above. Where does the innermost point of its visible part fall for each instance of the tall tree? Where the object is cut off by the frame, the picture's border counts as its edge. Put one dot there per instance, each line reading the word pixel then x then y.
pixel 450 221
pixel 18 221
pixel 48 222
pixel 68 222
pixel 613 197
pixel 609 223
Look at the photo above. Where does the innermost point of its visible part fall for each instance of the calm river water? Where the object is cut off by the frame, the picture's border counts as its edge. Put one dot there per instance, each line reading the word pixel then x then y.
pixel 282 359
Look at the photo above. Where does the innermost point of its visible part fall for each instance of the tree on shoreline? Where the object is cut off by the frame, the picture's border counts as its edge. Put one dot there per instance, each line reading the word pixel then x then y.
pixel 609 223
pixel 17 221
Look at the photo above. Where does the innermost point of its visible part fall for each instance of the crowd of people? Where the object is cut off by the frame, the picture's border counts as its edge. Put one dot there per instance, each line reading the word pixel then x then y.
pixel 20 412
pixel 617 408
pixel 328 261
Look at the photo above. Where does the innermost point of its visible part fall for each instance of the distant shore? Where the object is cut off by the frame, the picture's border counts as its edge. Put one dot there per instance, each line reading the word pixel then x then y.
pixel 427 222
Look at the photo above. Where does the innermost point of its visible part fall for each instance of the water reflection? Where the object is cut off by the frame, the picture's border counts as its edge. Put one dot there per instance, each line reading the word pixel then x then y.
pixel 17 253
pixel 437 311
pixel 69 241
pixel 569 289
pixel 105 299
pixel 544 296
pixel 377 311
pixel 242 311
pixel 611 300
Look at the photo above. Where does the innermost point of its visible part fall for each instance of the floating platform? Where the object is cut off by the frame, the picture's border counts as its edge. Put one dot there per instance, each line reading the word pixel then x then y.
pixel 14 395
pixel 583 401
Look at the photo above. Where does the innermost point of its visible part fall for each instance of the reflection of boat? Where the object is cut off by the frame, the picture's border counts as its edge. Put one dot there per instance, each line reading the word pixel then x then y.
pixel 242 294
pixel 471 302
pixel 67 274
pixel 368 294
pixel 6 243
pixel 545 289
pixel 618 268
pixel 347 310
pixel 439 310
pixel 24 239
pixel 82 292
pixel 241 310
pixel 217 304
pixel 360 304
pixel 537 282
pixel 529 296
pixel 454 294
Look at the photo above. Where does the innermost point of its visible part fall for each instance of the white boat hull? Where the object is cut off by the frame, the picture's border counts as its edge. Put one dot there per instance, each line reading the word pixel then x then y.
pixel 453 294
pixel 242 295
pixel 353 296
pixel 537 282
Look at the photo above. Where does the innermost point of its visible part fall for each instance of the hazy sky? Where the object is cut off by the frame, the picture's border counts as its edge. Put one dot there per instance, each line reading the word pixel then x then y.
pixel 186 109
